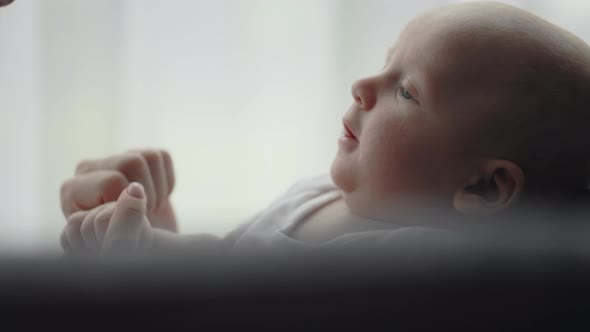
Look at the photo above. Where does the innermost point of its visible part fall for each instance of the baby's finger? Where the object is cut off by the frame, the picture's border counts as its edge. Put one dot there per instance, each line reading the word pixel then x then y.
pixel 157 169
pixel 73 236
pixel 169 170
pixel 89 190
pixel 101 222
pixel 127 223
pixel 63 240
pixel 87 229
pixel 132 165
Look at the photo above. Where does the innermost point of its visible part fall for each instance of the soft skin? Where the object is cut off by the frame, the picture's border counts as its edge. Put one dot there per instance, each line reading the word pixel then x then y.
pixel 447 125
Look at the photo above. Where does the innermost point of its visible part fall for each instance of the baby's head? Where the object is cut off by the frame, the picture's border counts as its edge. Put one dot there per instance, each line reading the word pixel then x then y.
pixel 479 108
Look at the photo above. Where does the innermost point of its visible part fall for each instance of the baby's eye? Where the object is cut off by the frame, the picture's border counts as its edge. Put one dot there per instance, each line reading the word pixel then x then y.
pixel 405 94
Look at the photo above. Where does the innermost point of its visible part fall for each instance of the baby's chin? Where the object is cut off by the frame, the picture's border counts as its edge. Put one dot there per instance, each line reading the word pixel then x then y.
pixel 353 196
pixel 388 208
pixel 341 177
pixel 346 187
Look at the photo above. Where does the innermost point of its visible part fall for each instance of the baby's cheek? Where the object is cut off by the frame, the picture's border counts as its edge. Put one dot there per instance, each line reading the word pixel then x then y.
pixel 388 171
pixel 401 168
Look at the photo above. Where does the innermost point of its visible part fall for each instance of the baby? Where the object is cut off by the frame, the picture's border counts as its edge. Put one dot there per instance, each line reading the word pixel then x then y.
pixel 480 111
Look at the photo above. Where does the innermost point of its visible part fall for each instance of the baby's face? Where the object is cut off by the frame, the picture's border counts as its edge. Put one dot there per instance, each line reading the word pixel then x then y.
pixel 403 142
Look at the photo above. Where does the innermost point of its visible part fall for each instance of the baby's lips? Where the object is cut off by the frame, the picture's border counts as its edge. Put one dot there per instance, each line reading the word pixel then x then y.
pixel 348 131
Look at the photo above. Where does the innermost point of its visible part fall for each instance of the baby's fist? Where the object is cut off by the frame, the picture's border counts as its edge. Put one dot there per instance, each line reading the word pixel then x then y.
pixel 111 229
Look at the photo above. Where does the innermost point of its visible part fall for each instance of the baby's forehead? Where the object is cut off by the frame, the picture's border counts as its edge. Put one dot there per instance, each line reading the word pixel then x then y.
pixel 434 57
pixel 487 33
pixel 459 47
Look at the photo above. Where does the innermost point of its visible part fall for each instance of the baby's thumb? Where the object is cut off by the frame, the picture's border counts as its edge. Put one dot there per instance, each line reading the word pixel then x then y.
pixel 127 223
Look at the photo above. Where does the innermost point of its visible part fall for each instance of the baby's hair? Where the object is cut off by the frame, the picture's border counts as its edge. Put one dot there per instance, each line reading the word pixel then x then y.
pixel 538 92
pixel 548 119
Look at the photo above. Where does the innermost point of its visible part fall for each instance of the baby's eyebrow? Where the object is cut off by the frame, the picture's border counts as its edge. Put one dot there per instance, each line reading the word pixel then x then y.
pixel 388 55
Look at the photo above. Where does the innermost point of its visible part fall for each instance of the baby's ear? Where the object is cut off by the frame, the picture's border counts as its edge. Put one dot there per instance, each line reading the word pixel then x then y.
pixel 497 185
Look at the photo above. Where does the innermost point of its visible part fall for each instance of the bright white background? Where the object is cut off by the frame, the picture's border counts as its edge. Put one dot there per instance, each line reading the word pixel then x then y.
pixel 246 95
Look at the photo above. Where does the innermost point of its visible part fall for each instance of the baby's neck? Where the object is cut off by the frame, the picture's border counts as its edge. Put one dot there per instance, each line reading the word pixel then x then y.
pixel 333 220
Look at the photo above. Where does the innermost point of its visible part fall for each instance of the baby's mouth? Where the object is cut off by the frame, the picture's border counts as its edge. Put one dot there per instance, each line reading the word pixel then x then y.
pixel 348 133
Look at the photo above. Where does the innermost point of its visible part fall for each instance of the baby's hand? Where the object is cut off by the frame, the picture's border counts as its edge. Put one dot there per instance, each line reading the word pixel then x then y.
pixel 100 181
pixel 112 228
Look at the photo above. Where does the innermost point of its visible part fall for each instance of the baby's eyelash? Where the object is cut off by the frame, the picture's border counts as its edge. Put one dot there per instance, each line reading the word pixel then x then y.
pixel 405 93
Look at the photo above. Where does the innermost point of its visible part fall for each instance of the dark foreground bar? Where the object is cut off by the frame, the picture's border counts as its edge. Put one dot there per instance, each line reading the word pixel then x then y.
pixel 419 289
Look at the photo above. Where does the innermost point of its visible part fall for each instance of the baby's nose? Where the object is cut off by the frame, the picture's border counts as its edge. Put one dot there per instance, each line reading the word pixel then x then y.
pixel 363 92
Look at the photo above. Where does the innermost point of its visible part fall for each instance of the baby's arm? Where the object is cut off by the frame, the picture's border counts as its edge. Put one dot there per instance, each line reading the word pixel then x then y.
pixel 99 181
pixel 166 242
pixel 122 228
pixel 88 203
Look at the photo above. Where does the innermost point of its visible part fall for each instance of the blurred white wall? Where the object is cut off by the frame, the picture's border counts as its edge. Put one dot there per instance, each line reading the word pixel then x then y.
pixel 240 92
pixel 20 127
pixel 247 95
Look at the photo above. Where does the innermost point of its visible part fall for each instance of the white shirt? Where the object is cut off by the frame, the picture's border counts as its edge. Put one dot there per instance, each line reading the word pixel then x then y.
pixel 269 229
